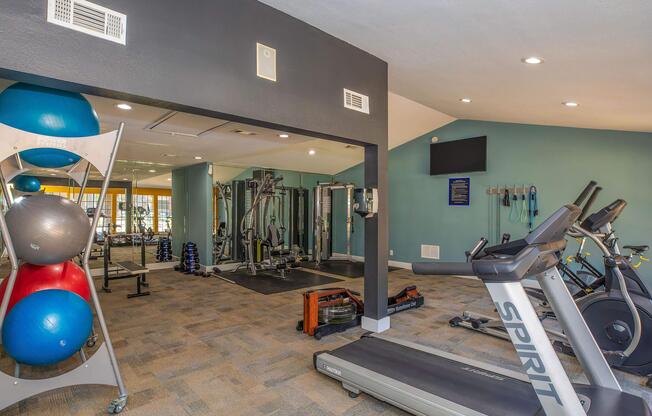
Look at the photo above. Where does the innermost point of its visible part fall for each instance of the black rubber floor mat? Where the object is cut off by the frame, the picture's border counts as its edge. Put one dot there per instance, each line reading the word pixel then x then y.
pixel 342 267
pixel 269 283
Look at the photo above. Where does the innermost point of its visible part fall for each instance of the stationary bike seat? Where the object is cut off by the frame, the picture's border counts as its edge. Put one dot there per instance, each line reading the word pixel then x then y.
pixel 637 249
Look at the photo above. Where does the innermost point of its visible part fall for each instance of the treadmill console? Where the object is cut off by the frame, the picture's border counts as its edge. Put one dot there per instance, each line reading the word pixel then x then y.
pixel 606 215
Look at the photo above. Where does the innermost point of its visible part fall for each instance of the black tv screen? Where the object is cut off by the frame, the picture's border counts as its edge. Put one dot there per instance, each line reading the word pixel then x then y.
pixel 458 156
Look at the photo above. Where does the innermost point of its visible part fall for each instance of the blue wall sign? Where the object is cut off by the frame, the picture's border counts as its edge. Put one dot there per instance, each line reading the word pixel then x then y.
pixel 459 192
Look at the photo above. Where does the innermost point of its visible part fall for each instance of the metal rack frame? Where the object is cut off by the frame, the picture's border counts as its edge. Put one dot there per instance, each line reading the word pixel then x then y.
pixel 102 367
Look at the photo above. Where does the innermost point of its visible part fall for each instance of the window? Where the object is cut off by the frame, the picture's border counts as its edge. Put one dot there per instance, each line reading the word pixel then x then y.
pixel 143 211
pixel 89 201
pixel 164 214
pixel 121 214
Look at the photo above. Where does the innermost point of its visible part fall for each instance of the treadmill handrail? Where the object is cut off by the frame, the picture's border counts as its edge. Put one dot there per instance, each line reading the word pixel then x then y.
pixel 531 260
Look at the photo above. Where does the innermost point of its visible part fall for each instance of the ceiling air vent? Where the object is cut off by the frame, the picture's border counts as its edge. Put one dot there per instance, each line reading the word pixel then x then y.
pixel 356 101
pixel 183 124
pixel 86 17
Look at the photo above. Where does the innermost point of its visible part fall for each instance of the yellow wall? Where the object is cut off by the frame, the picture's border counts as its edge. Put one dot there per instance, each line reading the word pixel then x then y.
pixel 155 192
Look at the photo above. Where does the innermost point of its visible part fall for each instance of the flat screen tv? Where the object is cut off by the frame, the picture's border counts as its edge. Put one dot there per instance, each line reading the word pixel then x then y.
pixel 459 156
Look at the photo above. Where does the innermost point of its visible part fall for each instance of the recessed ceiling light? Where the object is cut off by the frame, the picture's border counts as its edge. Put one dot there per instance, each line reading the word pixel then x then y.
pixel 152 171
pixel 570 104
pixel 532 60
pixel 124 106
pixel 311 152
pixel 125 179
pixel 284 135
pixel 198 158
pixel 53 174
pixel 169 179
pixel 465 100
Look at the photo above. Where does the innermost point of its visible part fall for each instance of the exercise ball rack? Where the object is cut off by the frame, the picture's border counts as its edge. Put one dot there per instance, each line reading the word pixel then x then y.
pixel 102 367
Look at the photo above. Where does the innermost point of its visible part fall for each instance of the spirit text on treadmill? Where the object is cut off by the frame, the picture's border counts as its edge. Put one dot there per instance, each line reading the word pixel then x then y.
pixel 527 351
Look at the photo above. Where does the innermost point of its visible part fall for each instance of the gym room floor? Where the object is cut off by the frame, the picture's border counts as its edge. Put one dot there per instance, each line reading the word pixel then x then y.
pixel 202 346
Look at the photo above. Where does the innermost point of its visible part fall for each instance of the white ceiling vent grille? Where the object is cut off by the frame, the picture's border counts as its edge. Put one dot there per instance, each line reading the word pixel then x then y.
pixel 89 18
pixel 175 123
pixel 356 101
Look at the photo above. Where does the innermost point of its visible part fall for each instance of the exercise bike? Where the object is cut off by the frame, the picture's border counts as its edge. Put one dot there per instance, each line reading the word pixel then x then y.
pixel 604 305
pixel 607 312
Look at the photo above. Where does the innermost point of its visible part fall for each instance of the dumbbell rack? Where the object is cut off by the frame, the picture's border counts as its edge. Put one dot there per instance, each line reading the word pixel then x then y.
pixel 99 151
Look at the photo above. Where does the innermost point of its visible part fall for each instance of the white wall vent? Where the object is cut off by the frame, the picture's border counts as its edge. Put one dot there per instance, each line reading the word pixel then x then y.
pixel 429 252
pixel 356 101
pixel 86 17
pixel 266 62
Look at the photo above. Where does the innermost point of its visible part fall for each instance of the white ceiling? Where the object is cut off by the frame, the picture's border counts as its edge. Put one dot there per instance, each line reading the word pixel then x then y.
pixel 147 145
pixel 598 53
pixel 144 148
pixel 408 120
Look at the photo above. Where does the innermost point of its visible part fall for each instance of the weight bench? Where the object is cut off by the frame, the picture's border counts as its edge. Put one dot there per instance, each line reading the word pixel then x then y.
pixel 140 272
pixel 124 270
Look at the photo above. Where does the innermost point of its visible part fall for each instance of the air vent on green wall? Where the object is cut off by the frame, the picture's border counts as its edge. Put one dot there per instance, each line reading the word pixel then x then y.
pixel 86 17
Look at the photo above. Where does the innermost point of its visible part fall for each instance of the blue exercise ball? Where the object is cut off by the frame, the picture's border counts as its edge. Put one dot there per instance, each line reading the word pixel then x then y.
pixel 26 183
pixel 47 327
pixel 50 112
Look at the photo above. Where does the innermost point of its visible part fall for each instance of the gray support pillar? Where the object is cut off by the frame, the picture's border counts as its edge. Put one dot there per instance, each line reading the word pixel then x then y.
pixel 192 210
pixel 376 242
pixel 179 209
pixel 129 201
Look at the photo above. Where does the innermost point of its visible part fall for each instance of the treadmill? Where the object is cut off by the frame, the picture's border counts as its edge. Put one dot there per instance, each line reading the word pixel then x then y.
pixel 429 382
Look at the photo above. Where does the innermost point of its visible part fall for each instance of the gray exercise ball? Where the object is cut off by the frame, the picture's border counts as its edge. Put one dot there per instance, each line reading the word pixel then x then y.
pixel 47 229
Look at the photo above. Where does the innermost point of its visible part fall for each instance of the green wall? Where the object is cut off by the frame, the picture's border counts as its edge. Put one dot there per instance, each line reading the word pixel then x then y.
pixel 558 160
pixel 192 205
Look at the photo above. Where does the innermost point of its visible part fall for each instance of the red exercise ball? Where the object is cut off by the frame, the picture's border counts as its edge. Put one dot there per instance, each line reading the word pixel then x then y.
pixel 32 278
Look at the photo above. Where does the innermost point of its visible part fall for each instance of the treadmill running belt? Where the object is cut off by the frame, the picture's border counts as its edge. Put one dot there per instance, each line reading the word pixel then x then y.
pixel 475 388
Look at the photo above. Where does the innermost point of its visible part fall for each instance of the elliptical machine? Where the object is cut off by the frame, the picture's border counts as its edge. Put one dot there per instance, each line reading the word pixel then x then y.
pixel 608 313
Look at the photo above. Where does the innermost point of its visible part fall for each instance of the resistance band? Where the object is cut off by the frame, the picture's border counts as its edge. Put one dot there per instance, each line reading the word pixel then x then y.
pixel 524 210
pixel 514 214
pixel 533 206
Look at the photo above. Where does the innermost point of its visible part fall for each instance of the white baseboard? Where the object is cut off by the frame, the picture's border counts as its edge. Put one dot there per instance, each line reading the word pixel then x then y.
pixel 392 263
pixel 400 264
pixel 343 256
pixel 376 325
